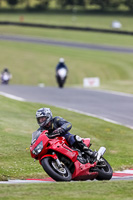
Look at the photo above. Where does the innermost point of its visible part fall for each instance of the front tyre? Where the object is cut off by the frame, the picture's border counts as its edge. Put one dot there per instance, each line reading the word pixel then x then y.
pixel 104 170
pixel 57 173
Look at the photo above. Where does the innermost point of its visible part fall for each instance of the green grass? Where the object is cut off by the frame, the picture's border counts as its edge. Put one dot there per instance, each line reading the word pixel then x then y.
pixel 17 122
pixel 74 190
pixel 72 19
pixel 31 64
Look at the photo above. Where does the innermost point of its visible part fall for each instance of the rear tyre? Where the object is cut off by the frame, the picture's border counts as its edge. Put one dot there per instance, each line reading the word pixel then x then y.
pixel 61 85
pixel 104 170
pixel 60 81
pixel 57 173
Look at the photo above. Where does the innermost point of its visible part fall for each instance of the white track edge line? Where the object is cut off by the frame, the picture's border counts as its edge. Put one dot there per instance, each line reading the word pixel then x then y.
pixel 12 96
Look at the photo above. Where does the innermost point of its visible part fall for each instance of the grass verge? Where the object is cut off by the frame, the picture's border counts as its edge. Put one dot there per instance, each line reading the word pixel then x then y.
pixel 75 190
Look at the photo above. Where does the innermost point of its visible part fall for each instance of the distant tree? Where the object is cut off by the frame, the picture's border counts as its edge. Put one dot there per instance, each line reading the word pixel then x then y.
pixel 12 2
pixel 115 3
pixel 64 3
pixel 72 3
pixel 102 3
pixel 129 4
pixel 42 4
pixel 28 3
pixel 106 3
pixel 80 2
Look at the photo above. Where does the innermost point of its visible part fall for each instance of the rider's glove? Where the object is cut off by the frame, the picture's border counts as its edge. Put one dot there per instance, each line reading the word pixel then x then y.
pixel 58 131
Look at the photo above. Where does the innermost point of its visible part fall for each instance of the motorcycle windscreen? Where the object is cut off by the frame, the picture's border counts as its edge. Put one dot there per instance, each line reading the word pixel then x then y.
pixel 35 136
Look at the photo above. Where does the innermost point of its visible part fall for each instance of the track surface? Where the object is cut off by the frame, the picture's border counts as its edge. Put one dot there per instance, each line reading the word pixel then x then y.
pixel 114 107
pixel 80 45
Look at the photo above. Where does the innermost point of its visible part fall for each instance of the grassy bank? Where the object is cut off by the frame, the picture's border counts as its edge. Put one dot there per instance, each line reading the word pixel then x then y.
pixel 96 20
pixel 74 190
pixel 31 64
pixel 17 122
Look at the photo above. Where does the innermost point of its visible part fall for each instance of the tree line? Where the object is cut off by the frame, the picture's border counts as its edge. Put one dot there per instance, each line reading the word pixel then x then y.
pixel 103 4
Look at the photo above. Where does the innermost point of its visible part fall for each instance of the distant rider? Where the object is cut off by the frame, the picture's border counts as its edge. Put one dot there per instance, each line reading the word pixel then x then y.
pixel 58 126
pixel 5 76
pixel 61 64
pixel 61 72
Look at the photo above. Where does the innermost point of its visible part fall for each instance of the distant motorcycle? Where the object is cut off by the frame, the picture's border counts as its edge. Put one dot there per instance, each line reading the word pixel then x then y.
pixel 5 77
pixel 61 76
pixel 65 163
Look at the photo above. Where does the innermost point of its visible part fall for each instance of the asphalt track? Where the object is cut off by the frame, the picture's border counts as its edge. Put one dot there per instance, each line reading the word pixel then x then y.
pixel 52 42
pixel 109 106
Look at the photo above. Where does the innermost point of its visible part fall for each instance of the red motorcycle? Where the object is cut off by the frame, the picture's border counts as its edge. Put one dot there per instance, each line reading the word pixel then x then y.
pixel 64 163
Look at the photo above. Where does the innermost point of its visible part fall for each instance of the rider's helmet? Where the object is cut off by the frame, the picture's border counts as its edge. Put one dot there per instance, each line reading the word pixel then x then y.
pixel 45 114
pixel 61 60
pixel 6 70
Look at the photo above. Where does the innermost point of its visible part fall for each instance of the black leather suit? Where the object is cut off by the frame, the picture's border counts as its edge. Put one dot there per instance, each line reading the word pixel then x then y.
pixel 59 122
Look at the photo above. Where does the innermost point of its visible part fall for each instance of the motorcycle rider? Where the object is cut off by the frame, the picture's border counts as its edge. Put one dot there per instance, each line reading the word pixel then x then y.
pixel 58 126
pixel 5 76
pixel 61 65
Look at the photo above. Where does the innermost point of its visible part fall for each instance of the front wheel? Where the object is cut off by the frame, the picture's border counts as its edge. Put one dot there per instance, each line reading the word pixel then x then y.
pixel 104 170
pixel 57 173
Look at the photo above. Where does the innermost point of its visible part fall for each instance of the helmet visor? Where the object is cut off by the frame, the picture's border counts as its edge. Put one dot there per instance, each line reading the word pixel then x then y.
pixel 42 120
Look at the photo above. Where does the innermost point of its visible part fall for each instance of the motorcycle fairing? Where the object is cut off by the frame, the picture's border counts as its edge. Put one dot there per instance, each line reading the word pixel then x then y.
pixel 82 171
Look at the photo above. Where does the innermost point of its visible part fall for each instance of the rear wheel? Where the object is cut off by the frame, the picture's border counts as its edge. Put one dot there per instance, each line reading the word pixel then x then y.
pixel 60 81
pixel 54 171
pixel 104 170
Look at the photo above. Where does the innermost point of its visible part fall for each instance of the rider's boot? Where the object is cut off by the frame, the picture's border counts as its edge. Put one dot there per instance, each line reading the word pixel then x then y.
pixel 81 145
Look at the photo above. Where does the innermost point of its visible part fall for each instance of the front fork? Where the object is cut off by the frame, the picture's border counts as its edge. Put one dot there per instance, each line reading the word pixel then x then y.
pixel 59 164
pixel 54 156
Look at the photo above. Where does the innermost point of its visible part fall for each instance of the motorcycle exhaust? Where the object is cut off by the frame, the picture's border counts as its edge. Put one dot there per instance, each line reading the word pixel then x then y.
pixel 100 153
